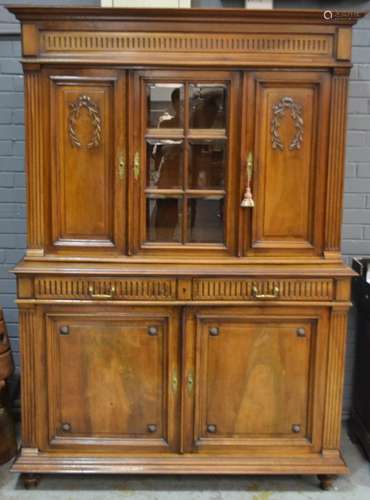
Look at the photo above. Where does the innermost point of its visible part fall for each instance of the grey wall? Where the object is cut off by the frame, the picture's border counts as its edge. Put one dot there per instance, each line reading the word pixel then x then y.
pixel 356 226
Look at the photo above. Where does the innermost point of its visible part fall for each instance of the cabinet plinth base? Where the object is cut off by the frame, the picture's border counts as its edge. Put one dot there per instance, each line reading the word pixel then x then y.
pixel 186 464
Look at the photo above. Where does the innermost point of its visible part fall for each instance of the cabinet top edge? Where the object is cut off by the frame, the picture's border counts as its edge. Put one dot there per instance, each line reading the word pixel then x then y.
pixel 286 16
pixel 27 267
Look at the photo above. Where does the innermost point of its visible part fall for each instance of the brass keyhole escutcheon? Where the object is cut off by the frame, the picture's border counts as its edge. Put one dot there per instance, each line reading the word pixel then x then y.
pixel 152 428
pixel 152 331
pixel 211 428
pixel 214 331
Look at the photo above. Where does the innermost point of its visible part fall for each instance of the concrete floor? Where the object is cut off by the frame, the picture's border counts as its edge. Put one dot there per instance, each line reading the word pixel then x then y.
pixel 354 487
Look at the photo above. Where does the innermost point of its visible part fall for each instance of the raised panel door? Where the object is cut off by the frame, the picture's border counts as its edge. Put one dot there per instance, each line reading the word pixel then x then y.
pixel 88 159
pixel 112 380
pixel 285 133
pixel 255 380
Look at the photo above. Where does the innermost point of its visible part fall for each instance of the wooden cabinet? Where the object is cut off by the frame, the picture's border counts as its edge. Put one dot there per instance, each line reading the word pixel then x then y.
pixel 183 301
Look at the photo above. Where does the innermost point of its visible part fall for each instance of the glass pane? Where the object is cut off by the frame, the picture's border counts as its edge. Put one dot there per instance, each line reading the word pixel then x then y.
pixel 165 105
pixel 206 219
pixel 207 106
pixel 207 164
pixel 163 219
pixel 164 164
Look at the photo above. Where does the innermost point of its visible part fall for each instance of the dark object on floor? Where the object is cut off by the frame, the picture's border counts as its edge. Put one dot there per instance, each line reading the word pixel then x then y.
pixel 359 426
pixel 8 444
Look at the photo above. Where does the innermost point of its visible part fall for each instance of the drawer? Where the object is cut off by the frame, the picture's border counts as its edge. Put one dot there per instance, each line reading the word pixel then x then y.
pixel 197 289
pixel 262 289
pixel 106 288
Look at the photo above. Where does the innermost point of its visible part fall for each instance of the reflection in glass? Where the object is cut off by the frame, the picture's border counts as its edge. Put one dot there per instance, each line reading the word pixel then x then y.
pixel 163 219
pixel 206 220
pixel 165 105
pixel 164 164
pixel 207 106
pixel 207 164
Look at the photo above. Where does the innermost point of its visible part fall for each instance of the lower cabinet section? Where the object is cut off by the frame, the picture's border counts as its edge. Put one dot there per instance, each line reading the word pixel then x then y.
pixel 188 383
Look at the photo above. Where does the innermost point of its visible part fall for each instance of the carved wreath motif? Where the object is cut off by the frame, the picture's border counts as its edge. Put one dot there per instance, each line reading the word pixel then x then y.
pixel 296 111
pixel 75 107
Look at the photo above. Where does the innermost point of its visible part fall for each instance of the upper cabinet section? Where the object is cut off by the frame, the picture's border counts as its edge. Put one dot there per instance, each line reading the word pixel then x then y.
pixel 167 133
pixel 193 36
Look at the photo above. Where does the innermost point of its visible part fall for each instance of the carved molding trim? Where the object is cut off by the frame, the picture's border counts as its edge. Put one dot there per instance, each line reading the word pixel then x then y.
pixel 336 156
pixel 278 113
pixel 34 160
pixel 335 378
pixel 27 346
pixel 69 41
pixel 84 101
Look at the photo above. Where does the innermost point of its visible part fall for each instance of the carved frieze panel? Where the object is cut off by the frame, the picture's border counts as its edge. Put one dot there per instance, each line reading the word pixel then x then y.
pixel 69 41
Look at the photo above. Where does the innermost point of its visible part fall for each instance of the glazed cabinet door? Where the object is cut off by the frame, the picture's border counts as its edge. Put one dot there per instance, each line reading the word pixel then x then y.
pixel 112 380
pixel 184 162
pixel 255 380
pixel 284 147
pixel 88 160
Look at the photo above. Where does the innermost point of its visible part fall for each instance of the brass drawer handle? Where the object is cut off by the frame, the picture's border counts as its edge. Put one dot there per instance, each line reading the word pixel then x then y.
pixel 275 293
pixel 109 295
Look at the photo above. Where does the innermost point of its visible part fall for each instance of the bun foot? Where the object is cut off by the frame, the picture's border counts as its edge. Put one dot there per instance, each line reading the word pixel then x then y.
pixel 326 481
pixel 30 481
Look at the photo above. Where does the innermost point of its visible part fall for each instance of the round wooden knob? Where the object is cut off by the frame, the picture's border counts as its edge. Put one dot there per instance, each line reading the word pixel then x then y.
pixel 152 428
pixel 214 331
pixel 301 332
pixel 66 427
pixel 64 330
pixel 211 428
pixel 152 330
pixel 296 428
